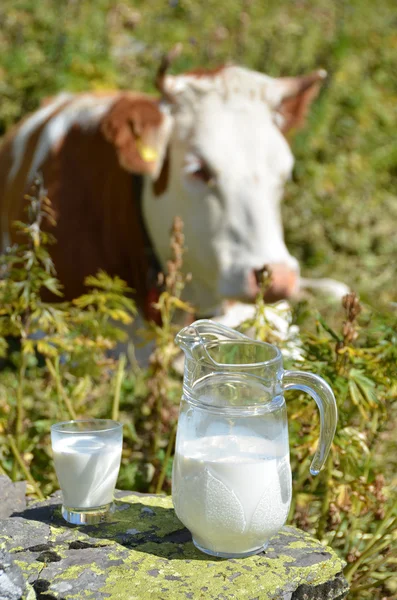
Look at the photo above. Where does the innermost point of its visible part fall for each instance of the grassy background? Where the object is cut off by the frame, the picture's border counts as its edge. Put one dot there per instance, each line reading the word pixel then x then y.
pixel 340 216
pixel 340 210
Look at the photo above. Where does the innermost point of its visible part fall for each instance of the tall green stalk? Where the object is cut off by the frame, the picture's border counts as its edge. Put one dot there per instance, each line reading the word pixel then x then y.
pixel 54 371
pixel 24 467
pixel 324 511
pixel 19 412
pixel 117 389
pixel 166 460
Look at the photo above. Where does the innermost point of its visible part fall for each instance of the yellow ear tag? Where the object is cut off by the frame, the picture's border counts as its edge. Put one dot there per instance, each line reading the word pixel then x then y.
pixel 146 153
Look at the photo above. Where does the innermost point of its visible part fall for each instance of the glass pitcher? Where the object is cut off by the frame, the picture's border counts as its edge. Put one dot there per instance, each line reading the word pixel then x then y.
pixel 231 480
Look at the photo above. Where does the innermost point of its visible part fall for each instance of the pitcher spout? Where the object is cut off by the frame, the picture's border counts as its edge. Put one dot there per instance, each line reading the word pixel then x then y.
pixel 187 339
pixel 194 338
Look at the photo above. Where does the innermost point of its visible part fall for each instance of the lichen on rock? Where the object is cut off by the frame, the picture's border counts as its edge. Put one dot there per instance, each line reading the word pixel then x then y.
pixel 145 552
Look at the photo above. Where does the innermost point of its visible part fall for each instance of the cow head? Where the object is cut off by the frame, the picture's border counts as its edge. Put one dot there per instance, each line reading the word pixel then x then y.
pixel 227 163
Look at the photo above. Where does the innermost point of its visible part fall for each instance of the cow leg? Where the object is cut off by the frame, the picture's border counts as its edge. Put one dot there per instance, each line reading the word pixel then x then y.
pixel 331 287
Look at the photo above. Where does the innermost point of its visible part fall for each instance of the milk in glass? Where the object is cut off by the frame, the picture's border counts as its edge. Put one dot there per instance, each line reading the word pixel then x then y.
pixel 87 468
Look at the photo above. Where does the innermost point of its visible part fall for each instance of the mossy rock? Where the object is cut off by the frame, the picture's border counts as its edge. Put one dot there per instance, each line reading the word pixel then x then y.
pixel 146 553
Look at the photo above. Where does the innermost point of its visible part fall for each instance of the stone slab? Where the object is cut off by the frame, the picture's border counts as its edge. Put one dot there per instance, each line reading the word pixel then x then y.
pixel 12 582
pixel 12 496
pixel 146 553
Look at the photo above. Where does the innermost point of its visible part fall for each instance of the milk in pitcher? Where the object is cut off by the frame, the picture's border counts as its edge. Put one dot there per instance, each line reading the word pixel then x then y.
pixel 232 492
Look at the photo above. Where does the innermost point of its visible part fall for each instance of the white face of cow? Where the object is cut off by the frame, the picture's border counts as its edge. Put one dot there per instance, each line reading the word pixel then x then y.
pixel 229 162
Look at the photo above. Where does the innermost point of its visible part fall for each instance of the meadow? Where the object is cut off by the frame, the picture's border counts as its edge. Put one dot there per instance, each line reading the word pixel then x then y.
pixel 339 214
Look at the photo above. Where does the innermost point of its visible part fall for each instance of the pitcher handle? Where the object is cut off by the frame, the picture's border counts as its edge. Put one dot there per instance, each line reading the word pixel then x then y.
pixel 324 397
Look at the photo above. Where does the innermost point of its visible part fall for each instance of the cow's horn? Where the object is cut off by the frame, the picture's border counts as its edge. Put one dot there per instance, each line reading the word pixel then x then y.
pixel 164 66
pixel 289 87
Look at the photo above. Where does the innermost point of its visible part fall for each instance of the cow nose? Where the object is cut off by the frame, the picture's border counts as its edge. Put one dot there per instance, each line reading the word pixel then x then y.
pixel 282 281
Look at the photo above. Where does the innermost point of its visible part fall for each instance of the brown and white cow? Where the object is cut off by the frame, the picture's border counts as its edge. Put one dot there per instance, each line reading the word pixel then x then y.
pixel 119 166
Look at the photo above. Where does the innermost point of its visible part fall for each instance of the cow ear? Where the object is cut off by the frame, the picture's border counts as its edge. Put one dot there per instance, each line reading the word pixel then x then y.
pixel 139 131
pixel 293 97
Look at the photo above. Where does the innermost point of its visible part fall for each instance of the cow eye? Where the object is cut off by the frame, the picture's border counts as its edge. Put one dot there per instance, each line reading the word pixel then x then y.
pixel 197 168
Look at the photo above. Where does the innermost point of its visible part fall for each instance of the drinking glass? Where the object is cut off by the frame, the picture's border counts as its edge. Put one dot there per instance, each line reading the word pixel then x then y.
pixel 87 455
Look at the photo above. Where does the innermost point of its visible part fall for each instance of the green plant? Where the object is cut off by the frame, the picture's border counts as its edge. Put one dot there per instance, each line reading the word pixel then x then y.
pixel 351 505
pixel 65 372
pixel 71 337
pixel 163 412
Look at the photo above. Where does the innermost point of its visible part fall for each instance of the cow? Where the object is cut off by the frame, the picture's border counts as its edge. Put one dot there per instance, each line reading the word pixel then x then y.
pixel 118 166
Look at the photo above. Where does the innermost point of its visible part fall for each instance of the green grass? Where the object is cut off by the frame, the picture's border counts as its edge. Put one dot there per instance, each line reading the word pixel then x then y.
pixel 340 217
